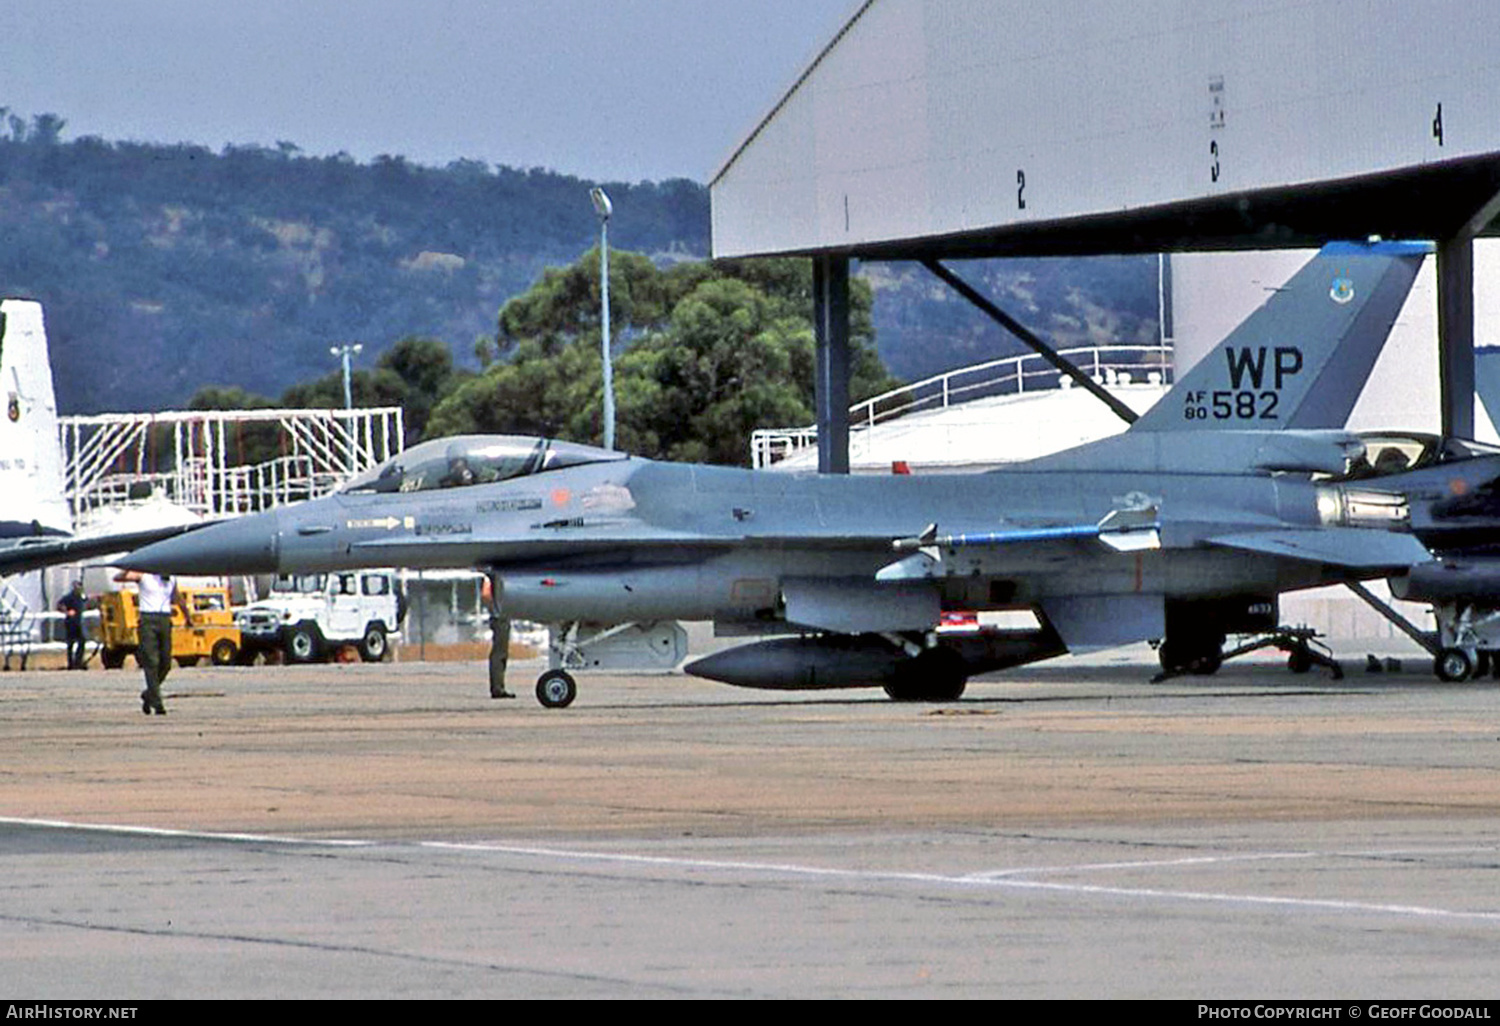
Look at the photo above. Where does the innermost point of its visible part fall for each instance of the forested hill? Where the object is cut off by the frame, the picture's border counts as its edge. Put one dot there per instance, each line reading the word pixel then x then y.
pixel 165 268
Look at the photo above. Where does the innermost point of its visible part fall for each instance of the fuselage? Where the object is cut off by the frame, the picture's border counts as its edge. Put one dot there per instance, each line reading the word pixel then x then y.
pixel 617 538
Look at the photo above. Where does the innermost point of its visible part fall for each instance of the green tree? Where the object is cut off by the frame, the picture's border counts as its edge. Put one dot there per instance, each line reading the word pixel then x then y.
pixel 712 352
pixel 424 366
pixel 536 392
pixel 729 364
pixel 412 374
pixel 565 303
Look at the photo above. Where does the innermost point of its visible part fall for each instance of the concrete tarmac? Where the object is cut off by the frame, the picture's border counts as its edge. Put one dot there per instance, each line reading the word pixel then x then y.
pixel 1067 830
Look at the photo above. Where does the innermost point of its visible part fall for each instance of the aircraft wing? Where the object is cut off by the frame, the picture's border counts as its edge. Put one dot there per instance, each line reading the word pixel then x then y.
pixel 590 542
pixel 36 553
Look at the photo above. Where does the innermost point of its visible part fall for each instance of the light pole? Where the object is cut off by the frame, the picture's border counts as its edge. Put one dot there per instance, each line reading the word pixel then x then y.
pixel 345 351
pixel 603 207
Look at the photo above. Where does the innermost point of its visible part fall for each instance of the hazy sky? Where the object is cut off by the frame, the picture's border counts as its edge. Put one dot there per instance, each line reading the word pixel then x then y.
pixel 604 89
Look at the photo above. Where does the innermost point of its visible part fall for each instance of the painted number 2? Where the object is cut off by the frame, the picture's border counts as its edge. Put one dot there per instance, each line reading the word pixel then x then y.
pixel 1020 190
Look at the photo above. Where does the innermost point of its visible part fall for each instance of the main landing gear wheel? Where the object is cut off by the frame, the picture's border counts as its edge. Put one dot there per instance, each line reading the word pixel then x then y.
pixel 937 675
pixel 1453 665
pixel 556 689
pixel 1201 657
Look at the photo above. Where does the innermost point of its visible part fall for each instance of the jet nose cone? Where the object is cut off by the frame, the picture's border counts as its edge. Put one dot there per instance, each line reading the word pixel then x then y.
pixel 249 545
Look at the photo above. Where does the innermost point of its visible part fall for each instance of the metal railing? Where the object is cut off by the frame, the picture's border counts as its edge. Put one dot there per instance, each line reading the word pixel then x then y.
pixel 17 625
pixel 188 457
pixel 1012 375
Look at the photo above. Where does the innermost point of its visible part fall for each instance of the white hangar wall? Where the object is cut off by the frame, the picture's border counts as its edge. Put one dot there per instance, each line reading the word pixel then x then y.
pixel 931 117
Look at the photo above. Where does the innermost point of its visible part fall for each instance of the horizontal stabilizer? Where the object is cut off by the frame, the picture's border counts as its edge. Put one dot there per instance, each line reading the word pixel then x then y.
pixel 1352 547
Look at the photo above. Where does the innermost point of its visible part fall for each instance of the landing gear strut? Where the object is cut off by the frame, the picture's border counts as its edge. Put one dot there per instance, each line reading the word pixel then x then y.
pixel 1297 642
pixel 1462 645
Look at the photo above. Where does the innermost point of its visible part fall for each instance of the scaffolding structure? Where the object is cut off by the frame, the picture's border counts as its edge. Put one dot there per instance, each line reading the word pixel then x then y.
pixel 193 458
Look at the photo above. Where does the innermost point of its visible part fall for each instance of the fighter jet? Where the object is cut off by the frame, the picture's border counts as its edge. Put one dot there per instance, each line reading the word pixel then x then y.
pixel 1453 488
pixel 1184 528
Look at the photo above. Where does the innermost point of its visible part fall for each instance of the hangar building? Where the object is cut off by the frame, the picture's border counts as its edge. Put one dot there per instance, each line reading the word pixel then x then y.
pixel 948 129
pixel 943 130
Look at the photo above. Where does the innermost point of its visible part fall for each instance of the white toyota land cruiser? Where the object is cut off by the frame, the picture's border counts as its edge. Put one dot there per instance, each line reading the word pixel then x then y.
pixel 312 616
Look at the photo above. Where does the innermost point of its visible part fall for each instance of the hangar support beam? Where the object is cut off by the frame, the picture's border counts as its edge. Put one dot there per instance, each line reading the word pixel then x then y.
pixel 831 322
pixel 1455 272
pixel 1042 349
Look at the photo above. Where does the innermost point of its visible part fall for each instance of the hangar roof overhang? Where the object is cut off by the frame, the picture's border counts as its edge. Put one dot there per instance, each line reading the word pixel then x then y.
pixel 931 129
pixel 1435 201
pixel 951 129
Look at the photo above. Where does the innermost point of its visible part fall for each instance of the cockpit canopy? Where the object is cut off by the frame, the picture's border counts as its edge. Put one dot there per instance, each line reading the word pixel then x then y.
pixel 1387 453
pixel 474 459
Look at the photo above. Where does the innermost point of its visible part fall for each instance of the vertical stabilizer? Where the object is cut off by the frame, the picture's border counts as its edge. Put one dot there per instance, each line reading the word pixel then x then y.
pixel 1301 359
pixel 31 471
pixel 1487 380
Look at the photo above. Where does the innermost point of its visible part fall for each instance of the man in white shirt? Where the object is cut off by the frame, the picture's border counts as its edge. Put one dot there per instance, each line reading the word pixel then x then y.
pixel 156 595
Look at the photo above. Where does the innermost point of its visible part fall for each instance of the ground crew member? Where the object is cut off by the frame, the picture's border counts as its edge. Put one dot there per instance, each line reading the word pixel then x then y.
pixel 492 591
pixel 157 594
pixel 72 606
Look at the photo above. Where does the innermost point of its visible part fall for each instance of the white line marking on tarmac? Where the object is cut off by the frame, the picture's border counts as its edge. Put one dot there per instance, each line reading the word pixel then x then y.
pixel 996 879
pixel 1000 879
pixel 200 835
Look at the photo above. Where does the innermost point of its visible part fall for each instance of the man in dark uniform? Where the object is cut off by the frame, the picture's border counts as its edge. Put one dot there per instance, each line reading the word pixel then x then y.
pixel 72 606
pixel 493 594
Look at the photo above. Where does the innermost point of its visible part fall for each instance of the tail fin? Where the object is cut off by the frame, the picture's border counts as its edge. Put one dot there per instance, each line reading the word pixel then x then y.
pixel 1487 380
pixel 31 468
pixel 1302 358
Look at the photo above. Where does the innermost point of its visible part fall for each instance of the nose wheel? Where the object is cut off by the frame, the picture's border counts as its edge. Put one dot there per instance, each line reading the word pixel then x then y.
pixel 556 689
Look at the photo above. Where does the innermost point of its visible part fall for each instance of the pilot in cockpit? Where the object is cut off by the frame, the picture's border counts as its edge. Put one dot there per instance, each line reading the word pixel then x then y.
pixel 459 474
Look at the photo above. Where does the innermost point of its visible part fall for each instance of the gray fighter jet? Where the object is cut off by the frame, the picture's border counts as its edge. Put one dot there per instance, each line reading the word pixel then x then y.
pixel 1453 487
pixel 1185 528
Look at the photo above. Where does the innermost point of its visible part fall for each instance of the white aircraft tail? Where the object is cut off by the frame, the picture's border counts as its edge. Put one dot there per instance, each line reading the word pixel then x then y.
pixel 32 501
